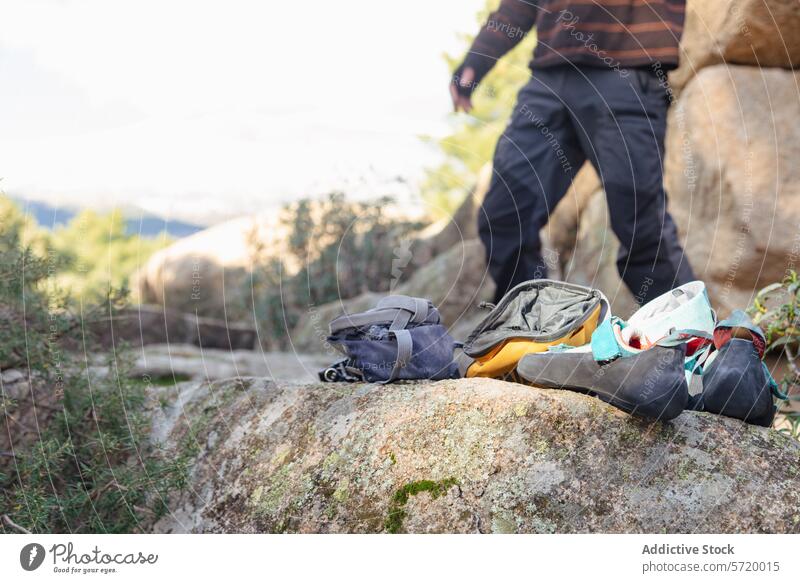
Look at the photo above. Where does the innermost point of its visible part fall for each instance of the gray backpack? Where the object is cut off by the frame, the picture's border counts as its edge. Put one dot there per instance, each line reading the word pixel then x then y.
pixel 399 339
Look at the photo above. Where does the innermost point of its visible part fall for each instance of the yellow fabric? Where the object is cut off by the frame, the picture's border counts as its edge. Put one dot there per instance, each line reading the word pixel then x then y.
pixel 503 358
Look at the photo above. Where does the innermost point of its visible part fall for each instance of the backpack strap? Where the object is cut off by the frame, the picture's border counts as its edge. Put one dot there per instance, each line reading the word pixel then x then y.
pixel 341 371
pixel 408 310
pixel 399 311
pixel 405 346
pixel 773 385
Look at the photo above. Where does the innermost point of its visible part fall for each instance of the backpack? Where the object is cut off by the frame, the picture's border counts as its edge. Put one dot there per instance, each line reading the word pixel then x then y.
pixel 532 317
pixel 401 338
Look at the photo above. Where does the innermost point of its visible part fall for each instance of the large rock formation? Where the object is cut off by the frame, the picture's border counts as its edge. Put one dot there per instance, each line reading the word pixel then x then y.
pixel 206 273
pixel 761 33
pixel 732 175
pixel 146 324
pixel 464 456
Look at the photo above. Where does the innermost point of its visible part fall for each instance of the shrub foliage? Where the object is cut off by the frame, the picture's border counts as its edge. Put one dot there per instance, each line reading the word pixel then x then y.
pixel 75 454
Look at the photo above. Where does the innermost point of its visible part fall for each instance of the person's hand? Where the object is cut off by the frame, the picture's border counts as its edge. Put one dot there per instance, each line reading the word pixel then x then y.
pixel 461 94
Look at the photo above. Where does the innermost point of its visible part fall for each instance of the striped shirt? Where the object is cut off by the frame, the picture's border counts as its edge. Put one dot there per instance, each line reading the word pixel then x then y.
pixel 607 33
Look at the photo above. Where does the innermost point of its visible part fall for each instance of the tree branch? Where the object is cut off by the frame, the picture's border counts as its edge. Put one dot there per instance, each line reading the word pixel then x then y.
pixel 14 526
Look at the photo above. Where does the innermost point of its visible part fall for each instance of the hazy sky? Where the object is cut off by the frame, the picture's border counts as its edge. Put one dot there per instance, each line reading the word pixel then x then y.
pixel 207 109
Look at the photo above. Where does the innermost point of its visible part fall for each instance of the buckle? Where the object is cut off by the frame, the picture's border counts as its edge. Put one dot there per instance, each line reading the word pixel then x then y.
pixel 341 371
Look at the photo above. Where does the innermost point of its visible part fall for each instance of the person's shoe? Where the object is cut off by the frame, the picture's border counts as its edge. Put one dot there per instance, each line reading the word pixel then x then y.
pixel 650 384
pixel 736 383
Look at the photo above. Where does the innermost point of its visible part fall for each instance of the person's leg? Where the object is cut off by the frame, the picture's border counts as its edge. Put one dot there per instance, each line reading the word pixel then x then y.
pixel 623 121
pixel 535 161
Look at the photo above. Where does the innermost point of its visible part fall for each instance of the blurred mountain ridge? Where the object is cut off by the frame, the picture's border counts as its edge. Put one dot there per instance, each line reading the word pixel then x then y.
pixel 137 221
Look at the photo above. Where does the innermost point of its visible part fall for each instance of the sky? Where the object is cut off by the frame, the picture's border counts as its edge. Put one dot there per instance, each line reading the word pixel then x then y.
pixel 206 110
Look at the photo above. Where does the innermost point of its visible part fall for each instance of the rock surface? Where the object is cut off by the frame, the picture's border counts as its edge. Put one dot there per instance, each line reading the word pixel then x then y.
pixel 733 178
pixel 761 33
pixel 464 456
pixel 181 361
pixel 145 324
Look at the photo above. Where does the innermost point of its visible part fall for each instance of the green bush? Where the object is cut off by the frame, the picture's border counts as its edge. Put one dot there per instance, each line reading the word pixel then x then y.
pixel 88 257
pixel 99 255
pixel 776 309
pixel 75 450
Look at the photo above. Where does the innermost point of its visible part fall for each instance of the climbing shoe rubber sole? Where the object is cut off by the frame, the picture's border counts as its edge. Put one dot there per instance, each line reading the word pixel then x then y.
pixel 650 384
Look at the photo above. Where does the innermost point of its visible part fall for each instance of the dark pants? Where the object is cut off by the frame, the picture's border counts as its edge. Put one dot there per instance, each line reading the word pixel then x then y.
pixel 564 116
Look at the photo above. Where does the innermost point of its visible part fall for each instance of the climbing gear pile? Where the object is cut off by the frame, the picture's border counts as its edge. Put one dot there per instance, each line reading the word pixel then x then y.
pixel 642 365
pixel 669 356
pixel 680 316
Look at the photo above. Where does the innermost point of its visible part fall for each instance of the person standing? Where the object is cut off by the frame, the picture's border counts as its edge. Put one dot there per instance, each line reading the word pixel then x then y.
pixel 597 92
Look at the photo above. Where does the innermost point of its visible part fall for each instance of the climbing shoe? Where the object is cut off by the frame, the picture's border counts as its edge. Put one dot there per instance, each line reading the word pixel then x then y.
pixel 736 382
pixel 649 384
pixel 682 316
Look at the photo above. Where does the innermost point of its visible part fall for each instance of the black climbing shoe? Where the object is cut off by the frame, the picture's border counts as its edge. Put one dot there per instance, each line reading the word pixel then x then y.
pixel 650 384
pixel 735 384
